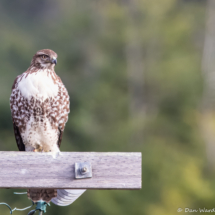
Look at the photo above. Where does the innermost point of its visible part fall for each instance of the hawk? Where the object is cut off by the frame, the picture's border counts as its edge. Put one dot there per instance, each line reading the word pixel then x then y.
pixel 39 105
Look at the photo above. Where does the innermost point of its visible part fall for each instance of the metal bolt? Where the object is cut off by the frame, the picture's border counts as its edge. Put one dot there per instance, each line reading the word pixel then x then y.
pixel 84 169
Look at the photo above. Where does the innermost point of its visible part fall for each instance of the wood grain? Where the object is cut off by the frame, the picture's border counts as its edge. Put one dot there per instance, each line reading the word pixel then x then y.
pixel 112 170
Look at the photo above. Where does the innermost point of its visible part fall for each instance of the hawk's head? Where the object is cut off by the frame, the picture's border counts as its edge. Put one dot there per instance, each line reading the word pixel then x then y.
pixel 44 58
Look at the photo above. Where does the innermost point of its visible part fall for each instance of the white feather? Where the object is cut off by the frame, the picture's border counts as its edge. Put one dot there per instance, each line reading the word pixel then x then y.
pixel 38 84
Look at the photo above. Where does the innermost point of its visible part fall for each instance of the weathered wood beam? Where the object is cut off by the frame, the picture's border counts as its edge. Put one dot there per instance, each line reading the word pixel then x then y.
pixel 112 170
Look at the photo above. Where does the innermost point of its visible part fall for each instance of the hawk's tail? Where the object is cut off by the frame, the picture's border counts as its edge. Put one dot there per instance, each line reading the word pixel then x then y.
pixel 59 197
pixel 66 197
pixel 41 194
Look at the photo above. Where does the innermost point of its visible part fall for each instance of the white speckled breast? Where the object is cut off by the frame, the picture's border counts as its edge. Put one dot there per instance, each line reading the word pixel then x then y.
pixel 40 107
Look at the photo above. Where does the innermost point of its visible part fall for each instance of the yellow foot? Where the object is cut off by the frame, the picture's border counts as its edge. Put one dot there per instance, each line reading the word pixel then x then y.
pixel 39 149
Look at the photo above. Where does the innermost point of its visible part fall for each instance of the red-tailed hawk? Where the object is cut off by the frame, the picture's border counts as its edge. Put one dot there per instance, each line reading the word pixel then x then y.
pixel 39 105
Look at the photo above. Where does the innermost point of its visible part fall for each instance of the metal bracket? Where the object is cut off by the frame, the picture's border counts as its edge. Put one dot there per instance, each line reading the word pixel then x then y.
pixel 83 170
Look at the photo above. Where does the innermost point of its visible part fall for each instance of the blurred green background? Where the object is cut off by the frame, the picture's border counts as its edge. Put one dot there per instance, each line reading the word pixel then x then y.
pixel 133 70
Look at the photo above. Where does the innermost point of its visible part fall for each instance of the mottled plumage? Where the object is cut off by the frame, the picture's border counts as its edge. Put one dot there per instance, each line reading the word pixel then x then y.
pixel 39 105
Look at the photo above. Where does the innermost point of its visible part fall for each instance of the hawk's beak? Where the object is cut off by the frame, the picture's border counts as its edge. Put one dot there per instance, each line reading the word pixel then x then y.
pixel 54 60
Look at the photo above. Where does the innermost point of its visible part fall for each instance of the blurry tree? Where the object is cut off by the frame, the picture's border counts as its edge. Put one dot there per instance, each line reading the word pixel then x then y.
pixel 208 100
pixel 135 69
pixel 125 64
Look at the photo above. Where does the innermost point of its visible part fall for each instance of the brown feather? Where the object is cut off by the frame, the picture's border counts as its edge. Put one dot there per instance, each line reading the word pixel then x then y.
pixel 18 138
pixel 60 138
pixel 45 194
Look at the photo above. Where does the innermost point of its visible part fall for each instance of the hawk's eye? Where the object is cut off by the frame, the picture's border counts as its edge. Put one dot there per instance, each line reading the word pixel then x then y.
pixel 44 56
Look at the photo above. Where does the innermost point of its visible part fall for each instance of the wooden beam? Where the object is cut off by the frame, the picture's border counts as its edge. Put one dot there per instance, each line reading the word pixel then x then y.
pixel 112 170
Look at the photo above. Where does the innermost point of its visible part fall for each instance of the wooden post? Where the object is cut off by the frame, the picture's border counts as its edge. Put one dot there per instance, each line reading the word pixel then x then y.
pixel 112 170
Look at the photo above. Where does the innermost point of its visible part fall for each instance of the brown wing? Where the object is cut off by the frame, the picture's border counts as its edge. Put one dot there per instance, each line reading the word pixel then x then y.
pixel 18 138
pixel 60 138
pixel 63 101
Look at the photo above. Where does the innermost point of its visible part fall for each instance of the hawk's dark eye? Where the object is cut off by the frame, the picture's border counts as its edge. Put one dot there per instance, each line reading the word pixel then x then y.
pixel 44 56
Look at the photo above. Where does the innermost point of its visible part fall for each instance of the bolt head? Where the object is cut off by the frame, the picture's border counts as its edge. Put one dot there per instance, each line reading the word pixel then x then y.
pixel 84 169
